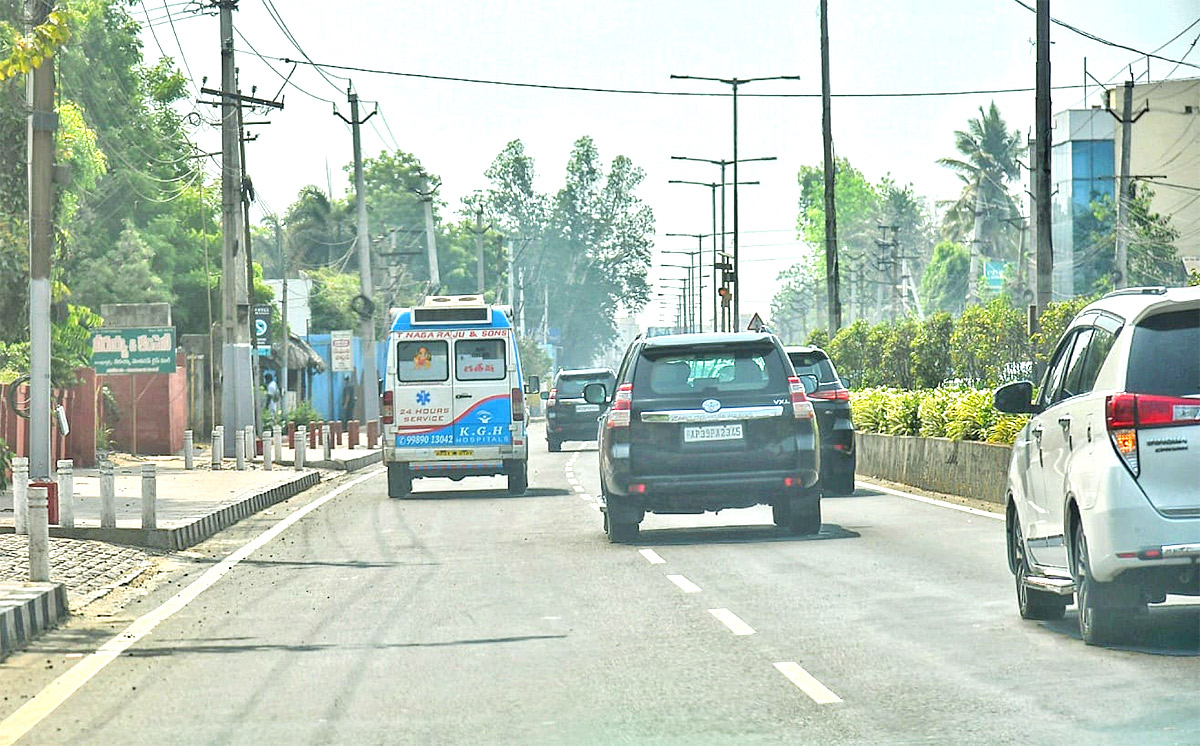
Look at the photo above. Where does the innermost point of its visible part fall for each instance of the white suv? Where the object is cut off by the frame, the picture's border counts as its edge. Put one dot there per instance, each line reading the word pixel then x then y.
pixel 1104 481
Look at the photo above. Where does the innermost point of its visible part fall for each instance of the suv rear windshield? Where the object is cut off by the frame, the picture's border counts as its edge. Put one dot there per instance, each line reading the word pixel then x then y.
pixel 572 388
pixel 1164 357
pixel 815 364
pixel 710 371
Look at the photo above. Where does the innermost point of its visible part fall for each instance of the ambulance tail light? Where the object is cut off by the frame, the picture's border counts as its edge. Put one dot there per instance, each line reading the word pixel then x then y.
pixel 386 412
pixel 518 405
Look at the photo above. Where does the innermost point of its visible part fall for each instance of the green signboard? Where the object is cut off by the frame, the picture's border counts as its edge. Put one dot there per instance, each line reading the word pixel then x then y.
pixel 145 350
pixel 993 274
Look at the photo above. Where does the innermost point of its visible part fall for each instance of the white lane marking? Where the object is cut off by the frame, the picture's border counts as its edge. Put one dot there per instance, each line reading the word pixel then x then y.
pixel 732 621
pixel 652 557
pixel 585 496
pixel 579 488
pixel 807 683
pixel 931 501
pixel 596 507
pixel 573 481
pixel 684 584
pixel 60 690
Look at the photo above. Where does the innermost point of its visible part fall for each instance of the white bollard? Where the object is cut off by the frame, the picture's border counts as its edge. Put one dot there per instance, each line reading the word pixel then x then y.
pixel 149 497
pixel 326 431
pixel 218 447
pixel 279 442
pixel 39 536
pixel 250 449
pixel 20 472
pixel 239 449
pixel 267 450
pixel 188 456
pixel 301 447
pixel 108 496
pixel 66 493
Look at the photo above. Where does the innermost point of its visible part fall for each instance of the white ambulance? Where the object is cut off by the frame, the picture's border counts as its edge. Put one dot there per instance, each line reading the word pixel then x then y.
pixel 453 400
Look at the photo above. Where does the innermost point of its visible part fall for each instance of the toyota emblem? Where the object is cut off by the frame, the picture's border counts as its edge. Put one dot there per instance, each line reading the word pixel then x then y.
pixel 711 405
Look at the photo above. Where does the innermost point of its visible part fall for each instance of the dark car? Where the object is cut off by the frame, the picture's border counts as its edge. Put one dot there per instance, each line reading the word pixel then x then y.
pixel 705 422
pixel 568 416
pixel 831 400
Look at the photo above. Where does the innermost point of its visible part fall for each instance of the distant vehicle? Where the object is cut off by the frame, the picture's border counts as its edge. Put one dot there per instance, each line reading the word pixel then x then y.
pixel 1104 482
pixel 568 416
pixel 705 422
pixel 453 403
pixel 831 401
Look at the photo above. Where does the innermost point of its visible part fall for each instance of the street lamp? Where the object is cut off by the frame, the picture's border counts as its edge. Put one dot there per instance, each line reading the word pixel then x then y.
pixel 694 263
pixel 734 83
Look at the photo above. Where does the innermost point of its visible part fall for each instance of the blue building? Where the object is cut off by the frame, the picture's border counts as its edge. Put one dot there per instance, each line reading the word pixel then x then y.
pixel 1083 168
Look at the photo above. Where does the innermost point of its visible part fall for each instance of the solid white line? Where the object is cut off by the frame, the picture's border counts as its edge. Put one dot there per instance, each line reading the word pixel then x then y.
pixel 731 620
pixel 931 501
pixel 684 584
pixel 652 557
pixel 60 690
pixel 808 683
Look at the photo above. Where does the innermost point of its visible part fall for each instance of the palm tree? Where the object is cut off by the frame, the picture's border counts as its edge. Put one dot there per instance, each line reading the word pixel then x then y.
pixel 989 161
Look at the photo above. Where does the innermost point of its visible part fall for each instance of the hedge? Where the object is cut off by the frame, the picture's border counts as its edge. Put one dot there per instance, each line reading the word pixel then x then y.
pixel 944 412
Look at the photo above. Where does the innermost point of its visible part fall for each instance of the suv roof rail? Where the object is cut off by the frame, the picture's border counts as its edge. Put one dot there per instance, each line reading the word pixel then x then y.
pixel 1151 290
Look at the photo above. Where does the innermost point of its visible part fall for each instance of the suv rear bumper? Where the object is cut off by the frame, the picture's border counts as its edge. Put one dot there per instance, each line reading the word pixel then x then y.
pixel 696 493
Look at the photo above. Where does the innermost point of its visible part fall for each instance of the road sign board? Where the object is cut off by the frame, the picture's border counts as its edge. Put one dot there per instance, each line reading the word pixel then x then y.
pixel 262 328
pixel 341 356
pixel 756 323
pixel 993 274
pixel 137 350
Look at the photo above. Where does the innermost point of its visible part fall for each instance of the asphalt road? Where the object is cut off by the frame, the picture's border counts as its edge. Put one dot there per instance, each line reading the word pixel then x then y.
pixel 466 616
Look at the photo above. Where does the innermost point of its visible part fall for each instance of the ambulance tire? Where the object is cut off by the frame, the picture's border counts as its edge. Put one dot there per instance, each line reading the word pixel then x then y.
pixel 518 478
pixel 399 480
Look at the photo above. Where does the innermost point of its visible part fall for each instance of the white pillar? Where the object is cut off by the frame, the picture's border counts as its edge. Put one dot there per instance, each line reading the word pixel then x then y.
pixel 326 431
pixel 149 497
pixel 239 448
pixel 267 443
pixel 20 471
pixel 108 496
pixel 278 433
pixel 66 492
pixel 218 447
pixel 188 456
pixel 250 449
pixel 301 447
pixel 39 536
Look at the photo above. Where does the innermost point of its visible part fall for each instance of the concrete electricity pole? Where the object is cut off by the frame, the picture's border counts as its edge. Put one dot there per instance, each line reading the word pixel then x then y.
pixel 283 369
pixel 832 289
pixel 1045 250
pixel 1123 184
pixel 42 123
pixel 426 195
pixel 366 312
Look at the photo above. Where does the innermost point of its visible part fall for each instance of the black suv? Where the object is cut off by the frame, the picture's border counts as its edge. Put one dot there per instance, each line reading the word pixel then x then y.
pixel 831 400
pixel 705 422
pixel 568 416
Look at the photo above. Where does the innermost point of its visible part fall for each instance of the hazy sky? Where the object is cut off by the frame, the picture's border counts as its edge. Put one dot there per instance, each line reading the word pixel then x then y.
pixel 456 129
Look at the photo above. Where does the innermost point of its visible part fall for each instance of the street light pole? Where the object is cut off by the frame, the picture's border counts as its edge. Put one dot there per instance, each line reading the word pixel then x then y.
pixel 734 83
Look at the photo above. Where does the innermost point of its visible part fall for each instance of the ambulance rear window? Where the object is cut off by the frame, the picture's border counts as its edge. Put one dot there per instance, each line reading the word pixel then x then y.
pixel 422 361
pixel 479 359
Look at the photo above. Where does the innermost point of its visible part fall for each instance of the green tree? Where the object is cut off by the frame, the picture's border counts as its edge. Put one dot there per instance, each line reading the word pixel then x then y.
pixel 944 284
pixel 931 351
pixel 1153 258
pixel 989 343
pixel 329 301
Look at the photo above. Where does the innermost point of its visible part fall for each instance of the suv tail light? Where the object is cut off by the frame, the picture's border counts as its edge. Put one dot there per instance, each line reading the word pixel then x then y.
pixel 802 408
pixel 386 414
pixel 518 405
pixel 1126 413
pixel 838 394
pixel 619 415
pixel 550 398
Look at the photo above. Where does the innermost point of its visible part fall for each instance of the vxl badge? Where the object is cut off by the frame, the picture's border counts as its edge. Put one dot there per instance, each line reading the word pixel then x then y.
pixel 711 405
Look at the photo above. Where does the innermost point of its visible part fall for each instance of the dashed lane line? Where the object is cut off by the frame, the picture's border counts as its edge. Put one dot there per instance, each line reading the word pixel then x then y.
pixel 732 621
pixel 652 557
pixel 584 496
pixel 685 585
pixel 807 683
pixel 580 488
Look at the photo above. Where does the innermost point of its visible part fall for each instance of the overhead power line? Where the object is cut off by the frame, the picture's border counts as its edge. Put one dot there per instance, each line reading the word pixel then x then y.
pixel 647 92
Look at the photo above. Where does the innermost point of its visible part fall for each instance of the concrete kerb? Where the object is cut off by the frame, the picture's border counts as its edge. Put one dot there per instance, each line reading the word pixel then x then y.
pixel 27 610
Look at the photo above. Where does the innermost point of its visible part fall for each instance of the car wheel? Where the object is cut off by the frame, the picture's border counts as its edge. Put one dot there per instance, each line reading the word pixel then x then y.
pixel 619 529
pixel 554 446
pixel 779 514
pixel 518 478
pixel 839 481
pixel 399 480
pixel 804 517
pixel 1031 603
pixel 1101 614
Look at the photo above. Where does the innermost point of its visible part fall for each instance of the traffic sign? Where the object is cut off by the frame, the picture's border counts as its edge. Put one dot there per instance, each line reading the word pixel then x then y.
pixel 341 355
pixel 756 323
pixel 262 328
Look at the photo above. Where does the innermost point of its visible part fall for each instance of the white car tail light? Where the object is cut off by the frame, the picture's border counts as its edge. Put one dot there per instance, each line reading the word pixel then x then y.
pixel 1126 413
pixel 802 408
pixel 619 415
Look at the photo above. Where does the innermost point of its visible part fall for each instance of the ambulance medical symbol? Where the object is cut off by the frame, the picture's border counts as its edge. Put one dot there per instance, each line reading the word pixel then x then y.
pixel 423 398
pixel 485 417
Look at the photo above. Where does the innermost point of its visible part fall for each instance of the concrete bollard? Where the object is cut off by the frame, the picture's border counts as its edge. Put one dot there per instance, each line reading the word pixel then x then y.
pixel 39 536
pixel 188 456
pixel 20 472
pixel 66 492
pixel 108 496
pixel 301 443
pixel 337 433
pixel 278 432
pixel 267 438
pixel 292 436
pixel 149 497
pixel 372 433
pixel 239 449
pixel 312 436
pixel 327 442
pixel 218 447
pixel 353 433
pixel 251 450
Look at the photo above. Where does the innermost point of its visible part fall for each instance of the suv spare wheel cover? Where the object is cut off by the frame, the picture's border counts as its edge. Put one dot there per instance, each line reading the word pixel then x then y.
pixel 711 405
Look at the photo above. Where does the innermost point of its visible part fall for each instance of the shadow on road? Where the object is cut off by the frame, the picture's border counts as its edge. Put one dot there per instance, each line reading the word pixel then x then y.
pixel 1164 630
pixel 737 535
pixel 486 494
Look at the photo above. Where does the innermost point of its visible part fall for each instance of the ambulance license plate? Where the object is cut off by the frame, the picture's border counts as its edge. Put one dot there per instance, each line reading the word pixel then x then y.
pixel 455 452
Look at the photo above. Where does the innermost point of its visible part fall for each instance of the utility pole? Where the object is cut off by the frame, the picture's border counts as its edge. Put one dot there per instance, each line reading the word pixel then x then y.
pixel 435 279
pixel 366 314
pixel 1045 249
pixel 734 83
pixel 247 196
pixel 479 230
pixel 1122 279
pixel 832 290
pixel 42 123
pixel 283 373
